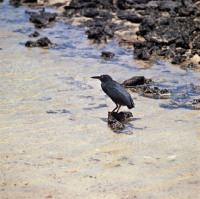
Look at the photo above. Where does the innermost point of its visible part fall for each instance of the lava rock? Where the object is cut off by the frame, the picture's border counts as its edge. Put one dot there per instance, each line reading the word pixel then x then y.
pixel 57 5
pixel 107 55
pixel 135 81
pixel 115 119
pixel 195 88
pixel 178 59
pixel 100 4
pixel 35 34
pixel 155 92
pixel 170 28
pixel 15 3
pixel 129 16
pixel 90 12
pixel 97 34
pixel 142 53
pixel 114 124
pixel 190 66
pixel 196 43
pixel 42 19
pixel 194 104
pixel 122 116
pixel 144 50
pixel 42 42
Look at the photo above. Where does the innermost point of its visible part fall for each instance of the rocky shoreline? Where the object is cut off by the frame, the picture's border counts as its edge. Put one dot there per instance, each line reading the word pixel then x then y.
pixel 155 29
pixel 169 29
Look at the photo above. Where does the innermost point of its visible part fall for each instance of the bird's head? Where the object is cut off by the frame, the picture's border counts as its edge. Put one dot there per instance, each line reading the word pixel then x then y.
pixel 103 78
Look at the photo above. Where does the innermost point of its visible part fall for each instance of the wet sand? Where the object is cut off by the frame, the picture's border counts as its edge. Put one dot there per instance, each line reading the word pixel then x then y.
pixel 55 142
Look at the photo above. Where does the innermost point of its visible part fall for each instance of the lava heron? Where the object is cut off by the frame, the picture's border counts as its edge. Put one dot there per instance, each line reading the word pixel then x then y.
pixel 116 92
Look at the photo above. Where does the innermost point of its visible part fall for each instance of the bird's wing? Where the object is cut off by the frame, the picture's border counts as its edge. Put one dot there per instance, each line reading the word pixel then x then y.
pixel 118 94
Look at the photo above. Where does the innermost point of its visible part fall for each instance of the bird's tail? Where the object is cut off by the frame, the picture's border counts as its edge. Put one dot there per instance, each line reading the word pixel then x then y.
pixel 132 104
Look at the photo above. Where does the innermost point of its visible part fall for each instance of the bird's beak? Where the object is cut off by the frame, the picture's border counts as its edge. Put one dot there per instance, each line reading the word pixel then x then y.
pixel 96 77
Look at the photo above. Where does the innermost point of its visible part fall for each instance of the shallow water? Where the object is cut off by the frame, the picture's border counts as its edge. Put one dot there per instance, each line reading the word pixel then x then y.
pixel 55 142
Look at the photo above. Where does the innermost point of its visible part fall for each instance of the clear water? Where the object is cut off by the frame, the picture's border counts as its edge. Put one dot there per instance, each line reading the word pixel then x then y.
pixel 55 142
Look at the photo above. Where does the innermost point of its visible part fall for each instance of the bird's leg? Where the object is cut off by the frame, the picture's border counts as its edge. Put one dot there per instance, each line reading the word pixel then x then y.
pixel 114 108
pixel 118 108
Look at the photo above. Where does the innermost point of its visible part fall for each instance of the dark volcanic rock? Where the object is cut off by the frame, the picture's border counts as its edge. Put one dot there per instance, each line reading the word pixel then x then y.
pixel 168 6
pixel 195 88
pixel 35 34
pixel 100 34
pixel 42 42
pixel 114 124
pixel 156 92
pixel 171 28
pixel 194 104
pixel 77 6
pixel 178 59
pixel 144 50
pixel 15 3
pixel 42 19
pixel 135 81
pixel 115 119
pixel 128 4
pixel 142 85
pixel 129 16
pixel 122 116
pixel 143 53
pixel 29 1
pixel 97 34
pixel 168 31
pixel 107 55
pixel 90 12
pixel 196 43
pixel 57 5
pixel 190 66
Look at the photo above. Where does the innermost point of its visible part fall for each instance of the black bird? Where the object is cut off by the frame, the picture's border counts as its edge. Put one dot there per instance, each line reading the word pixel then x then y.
pixel 116 92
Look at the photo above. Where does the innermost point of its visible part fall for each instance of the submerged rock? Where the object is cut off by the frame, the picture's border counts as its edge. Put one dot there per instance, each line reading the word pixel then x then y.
pixel 155 92
pixel 42 42
pixel 107 55
pixel 42 19
pixel 58 111
pixel 194 104
pixel 35 34
pixel 190 66
pixel 195 88
pixel 15 3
